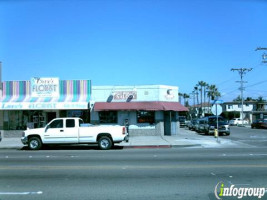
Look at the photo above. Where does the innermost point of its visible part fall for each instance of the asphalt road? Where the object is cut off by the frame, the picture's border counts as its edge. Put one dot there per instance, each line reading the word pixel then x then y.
pixel 171 174
pixel 253 137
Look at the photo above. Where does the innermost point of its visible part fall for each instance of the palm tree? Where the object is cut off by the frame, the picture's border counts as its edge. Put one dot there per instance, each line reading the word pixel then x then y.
pixel 202 85
pixel 205 91
pixel 196 93
pixel 260 103
pixel 185 96
pixel 180 97
pixel 213 92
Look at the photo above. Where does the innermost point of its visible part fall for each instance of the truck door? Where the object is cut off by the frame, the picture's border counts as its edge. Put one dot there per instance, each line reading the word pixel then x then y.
pixel 71 131
pixel 56 133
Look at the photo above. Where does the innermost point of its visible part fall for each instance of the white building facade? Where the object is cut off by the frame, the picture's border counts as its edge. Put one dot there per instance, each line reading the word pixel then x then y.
pixel 146 109
pixel 248 108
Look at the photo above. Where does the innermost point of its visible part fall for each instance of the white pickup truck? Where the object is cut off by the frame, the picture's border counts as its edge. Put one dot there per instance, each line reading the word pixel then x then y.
pixel 74 131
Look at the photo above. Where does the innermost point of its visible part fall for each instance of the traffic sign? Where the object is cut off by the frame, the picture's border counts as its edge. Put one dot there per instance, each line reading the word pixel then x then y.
pixel 216 107
pixel 218 102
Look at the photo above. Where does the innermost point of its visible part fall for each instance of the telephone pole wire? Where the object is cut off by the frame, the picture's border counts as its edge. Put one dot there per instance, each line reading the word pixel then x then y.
pixel 242 72
pixel 264 55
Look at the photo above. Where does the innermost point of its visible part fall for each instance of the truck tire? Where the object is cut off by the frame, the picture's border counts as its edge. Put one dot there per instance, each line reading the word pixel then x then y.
pixel 104 143
pixel 35 143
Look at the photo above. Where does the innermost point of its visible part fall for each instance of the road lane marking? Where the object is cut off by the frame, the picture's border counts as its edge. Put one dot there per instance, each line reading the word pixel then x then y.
pixel 21 193
pixel 244 155
pixel 131 167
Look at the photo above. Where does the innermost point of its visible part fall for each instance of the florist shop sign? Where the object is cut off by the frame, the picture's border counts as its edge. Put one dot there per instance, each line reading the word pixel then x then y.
pixel 44 87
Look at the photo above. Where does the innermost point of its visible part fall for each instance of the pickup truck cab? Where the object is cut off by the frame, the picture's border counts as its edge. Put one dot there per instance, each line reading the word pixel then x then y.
pixel 74 131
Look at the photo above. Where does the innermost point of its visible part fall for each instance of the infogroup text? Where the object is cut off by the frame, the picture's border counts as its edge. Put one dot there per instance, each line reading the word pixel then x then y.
pixel 239 192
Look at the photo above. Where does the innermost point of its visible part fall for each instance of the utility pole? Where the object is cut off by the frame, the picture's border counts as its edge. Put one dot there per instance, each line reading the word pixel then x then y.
pixel 260 48
pixel 0 75
pixel 242 72
pixel 264 55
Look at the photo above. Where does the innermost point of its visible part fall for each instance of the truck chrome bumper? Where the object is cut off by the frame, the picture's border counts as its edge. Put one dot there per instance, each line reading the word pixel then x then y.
pixel 24 140
pixel 126 139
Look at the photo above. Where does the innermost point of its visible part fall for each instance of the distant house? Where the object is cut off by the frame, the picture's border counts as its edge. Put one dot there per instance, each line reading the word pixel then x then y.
pixel 260 111
pixel 251 109
pixel 205 107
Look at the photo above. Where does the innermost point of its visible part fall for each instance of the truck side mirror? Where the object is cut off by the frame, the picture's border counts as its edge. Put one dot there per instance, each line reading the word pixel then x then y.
pixel 46 128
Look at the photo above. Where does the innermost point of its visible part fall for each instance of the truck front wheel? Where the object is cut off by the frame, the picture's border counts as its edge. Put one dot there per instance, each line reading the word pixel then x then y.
pixel 104 143
pixel 35 143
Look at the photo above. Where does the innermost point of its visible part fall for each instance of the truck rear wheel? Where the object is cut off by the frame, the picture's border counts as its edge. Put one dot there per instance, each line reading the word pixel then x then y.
pixel 35 143
pixel 104 143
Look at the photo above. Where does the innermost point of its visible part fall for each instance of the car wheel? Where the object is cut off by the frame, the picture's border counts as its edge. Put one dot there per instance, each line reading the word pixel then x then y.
pixel 105 143
pixel 35 143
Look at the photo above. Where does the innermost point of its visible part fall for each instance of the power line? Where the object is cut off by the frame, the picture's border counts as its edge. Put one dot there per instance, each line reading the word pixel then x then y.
pixel 257 83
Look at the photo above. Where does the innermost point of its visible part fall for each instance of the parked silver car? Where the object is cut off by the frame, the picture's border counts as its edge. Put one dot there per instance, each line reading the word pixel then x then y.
pixel 191 124
pixel 199 127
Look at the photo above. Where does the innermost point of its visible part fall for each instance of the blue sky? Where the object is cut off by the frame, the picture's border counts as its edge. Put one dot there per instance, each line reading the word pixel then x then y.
pixel 136 42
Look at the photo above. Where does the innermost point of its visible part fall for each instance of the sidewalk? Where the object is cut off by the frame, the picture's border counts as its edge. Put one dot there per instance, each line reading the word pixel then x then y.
pixel 185 138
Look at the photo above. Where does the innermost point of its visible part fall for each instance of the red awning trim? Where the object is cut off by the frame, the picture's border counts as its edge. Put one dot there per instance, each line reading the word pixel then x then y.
pixel 133 106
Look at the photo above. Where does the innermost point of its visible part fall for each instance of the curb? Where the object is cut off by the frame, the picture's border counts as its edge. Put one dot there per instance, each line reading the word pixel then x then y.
pixel 12 147
pixel 129 147
pixel 160 146
pixel 186 145
pixel 147 146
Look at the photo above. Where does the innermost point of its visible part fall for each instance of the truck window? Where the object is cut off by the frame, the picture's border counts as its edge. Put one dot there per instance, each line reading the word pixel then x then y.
pixel 70 123
pixel 57 124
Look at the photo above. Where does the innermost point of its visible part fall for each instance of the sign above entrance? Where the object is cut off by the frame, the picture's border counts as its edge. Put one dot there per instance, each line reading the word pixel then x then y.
pixel 44 106
pixel 124 95
pixel 44 87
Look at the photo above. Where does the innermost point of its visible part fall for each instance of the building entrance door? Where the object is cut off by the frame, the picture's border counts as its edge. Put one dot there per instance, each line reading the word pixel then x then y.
pixel 170 123
pixel 167 123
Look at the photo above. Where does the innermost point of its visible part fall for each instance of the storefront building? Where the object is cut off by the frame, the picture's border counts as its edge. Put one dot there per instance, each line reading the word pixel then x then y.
pixel 147 109
pixel 34 103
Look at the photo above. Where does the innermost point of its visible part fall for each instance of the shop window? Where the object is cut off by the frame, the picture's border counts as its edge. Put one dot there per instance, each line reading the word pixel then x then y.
pixel 80 122
pixel 84 115
pixel 56 124
pixel 108 117
pixel 146 117
pixel 70 123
